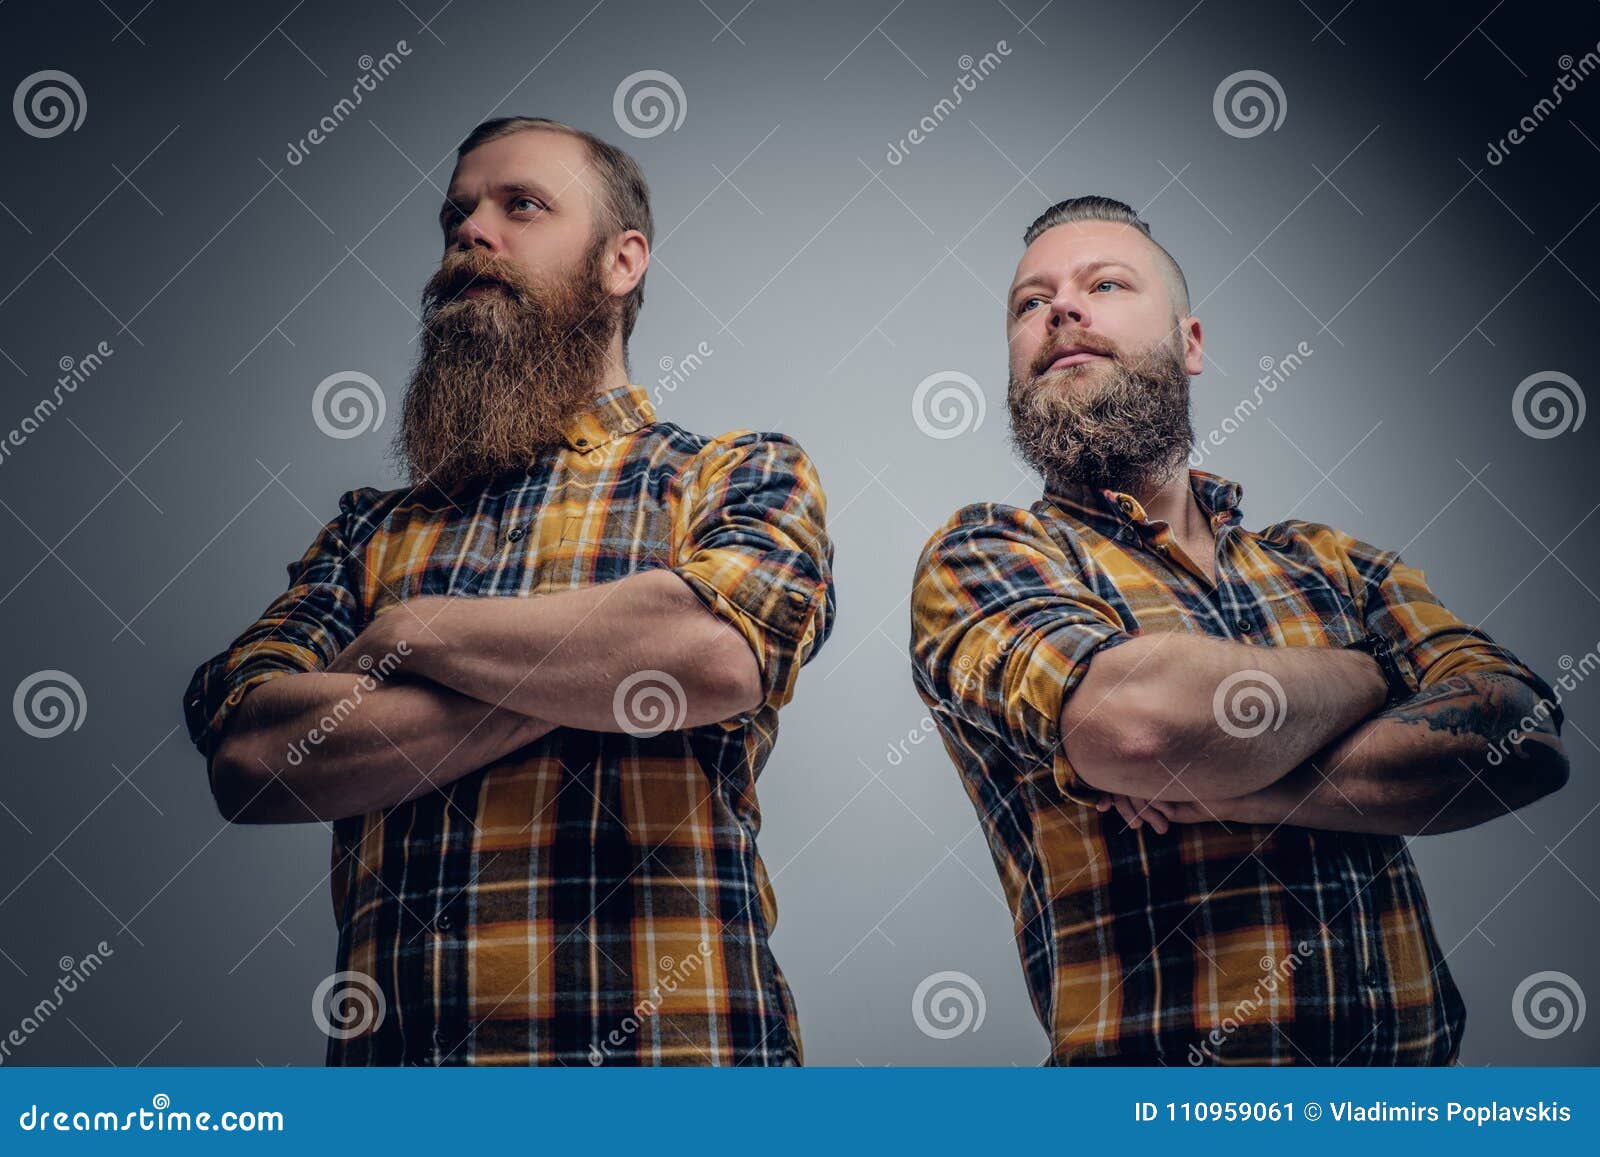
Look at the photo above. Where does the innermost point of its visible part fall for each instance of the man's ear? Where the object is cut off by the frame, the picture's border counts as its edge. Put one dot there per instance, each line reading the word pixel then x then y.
pixel 1194 360
pixel 630 257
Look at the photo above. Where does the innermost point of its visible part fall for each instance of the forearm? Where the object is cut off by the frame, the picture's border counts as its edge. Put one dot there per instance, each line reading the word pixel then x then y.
pixel 564 657
pixel 1185 717
pixel 1438 762
pixel 321 746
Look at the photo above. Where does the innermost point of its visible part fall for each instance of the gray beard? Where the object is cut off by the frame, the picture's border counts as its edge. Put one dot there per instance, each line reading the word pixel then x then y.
pixel 1127 432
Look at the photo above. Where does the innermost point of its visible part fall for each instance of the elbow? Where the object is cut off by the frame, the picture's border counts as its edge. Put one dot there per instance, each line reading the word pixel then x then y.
pixel 734 677
pixel 1128 745
pixel 1546 773
pixel 235 788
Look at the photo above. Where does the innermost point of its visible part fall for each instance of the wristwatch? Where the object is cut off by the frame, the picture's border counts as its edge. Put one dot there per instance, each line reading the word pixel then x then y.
pixel 1374 644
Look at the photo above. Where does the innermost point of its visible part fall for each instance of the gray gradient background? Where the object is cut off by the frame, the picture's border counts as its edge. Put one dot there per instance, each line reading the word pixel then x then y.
pixel 151 518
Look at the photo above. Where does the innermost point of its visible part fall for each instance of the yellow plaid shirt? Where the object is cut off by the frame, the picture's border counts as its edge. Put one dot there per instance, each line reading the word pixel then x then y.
pixel 1211 943
pixel 591 898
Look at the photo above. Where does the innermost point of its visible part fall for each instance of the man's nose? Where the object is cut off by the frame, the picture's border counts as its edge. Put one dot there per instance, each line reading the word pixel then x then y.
pixel 472 235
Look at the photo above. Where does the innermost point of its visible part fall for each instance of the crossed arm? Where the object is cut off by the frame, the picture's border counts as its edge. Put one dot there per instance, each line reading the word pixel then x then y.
pixel 1141 729
pixel 477 679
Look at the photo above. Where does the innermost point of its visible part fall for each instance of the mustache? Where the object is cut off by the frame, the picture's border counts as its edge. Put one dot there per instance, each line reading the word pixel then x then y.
pixel 458 273
pixel 1084 342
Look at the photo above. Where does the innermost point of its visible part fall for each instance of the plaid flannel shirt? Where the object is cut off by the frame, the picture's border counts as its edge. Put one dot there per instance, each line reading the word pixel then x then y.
pixel 591 898
pixel 1211 943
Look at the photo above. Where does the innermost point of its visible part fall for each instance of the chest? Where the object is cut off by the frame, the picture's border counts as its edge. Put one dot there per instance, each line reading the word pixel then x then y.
pixel 562 529
pixel 1236 587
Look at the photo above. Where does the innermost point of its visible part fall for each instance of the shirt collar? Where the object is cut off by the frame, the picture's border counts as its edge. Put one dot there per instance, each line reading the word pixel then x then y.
pixel 1217 496
pixel 613 413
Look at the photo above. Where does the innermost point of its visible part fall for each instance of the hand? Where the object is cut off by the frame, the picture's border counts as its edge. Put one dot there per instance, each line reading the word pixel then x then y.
pixel 389 641
pixel 1160 814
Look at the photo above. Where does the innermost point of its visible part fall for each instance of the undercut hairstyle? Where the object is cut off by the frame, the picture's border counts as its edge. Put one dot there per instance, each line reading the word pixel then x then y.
pixel 625 198
pixel 1108 209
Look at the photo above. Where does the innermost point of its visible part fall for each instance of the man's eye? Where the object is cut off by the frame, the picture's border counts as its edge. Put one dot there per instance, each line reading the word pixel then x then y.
pixel 1107 281
pixel 1022 307
pixel 528 200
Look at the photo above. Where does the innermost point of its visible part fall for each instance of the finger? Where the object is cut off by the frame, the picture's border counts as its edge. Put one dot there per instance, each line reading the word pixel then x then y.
pixel 1126 809
pixel 1152 815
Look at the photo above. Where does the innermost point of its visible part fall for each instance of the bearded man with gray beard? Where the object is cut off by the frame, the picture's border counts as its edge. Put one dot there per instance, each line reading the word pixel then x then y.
pixel 1196 749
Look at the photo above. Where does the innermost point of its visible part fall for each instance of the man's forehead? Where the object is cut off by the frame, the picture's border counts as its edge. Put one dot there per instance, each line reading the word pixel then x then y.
pixel 1078 244
pixel 559 162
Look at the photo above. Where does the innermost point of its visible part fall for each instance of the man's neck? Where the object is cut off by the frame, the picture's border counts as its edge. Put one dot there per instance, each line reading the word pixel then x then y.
pixel 1172 501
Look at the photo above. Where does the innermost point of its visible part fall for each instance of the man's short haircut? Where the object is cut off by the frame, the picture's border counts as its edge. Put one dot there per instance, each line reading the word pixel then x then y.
pixel 1108 209
pixel 625 202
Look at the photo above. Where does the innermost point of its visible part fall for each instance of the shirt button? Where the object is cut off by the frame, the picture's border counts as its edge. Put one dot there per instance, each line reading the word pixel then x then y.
pixel 516 533
pixel 1244 624
pixel 1372 975
pixel 444 922
pixel 581 443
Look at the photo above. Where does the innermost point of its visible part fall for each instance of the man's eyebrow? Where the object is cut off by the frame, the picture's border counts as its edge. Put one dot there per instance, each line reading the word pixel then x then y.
pixel 1079 271
pixel 503 189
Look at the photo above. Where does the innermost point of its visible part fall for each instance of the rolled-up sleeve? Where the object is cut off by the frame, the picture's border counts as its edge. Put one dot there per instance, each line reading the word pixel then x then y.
pixel 1002 631
pixel 302 630
pixel 751 542
pixel 1431 642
